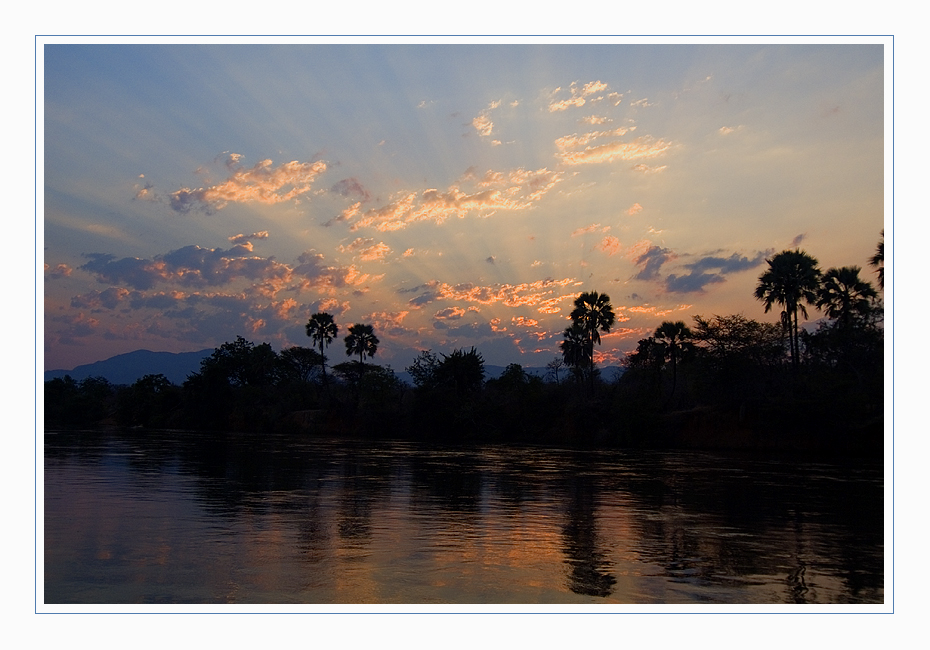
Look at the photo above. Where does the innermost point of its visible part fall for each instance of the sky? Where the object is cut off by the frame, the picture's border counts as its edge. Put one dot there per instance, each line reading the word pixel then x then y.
pixel 449 195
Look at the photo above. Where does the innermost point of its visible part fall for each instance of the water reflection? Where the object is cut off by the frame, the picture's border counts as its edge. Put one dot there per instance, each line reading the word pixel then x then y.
pixel 183 517
pixel 589 567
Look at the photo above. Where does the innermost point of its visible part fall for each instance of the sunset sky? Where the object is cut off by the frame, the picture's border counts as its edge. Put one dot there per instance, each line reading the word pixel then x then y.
pixel 449 195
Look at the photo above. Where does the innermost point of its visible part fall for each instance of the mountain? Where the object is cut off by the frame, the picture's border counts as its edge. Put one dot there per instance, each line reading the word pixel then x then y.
pixel 128 368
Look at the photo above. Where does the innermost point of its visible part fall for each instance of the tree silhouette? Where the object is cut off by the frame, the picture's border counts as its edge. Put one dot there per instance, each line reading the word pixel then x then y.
pixel 878 260
pixel 462 371
pixel 362 341
pixel 594 314
pixel 299 364
pixel 845 297
pixel 791 280
pixel 577 349
pixel 676 341
pixel 322 329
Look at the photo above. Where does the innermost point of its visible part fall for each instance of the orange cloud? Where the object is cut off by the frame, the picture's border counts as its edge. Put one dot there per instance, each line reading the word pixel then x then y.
pixel 367 249
pixel 575 140
pixel 529 294
pixel 245 239
pixel 609 245
pixel 646 169
pixel 639 148
pixel 635 208
pixel 60 271
pixel 263 183
pixel 578 95
pixel 589 229
pixel 513 190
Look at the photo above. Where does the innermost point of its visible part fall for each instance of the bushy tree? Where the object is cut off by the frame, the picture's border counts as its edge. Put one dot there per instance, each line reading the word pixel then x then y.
pixel 461 371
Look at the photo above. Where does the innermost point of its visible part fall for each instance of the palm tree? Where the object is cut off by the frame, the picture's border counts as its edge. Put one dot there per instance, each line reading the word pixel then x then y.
pixel 321 328
pixel 845 296
pixel 791 280
pixel 878 260
pixel 676 339
pixel 577 349
pixel 594 314
pixel 362 341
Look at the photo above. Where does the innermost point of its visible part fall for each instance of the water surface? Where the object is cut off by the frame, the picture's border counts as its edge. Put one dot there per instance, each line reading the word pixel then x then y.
pixel 190 518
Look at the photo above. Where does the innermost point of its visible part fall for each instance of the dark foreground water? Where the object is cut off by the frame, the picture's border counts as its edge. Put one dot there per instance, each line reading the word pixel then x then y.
pixel 159 517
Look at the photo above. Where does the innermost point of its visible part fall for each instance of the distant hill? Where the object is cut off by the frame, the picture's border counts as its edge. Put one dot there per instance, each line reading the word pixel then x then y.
pixel 128 368
pixel 132 366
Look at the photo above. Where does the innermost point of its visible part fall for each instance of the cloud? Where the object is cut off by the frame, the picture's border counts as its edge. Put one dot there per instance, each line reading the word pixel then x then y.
pixel 575 140
pixel 390 323
pixel 509 295
pixel 109 299
pixel 732 264
pixel 145 193
pixel 482 123
pixel 640 148
pixel 449 313
pixel 594 119
pixel 522 321
pixel 588 229
pixel 578 95
pixel 60 271
pixel 263 183
pixel 651 261
pixel 515 190
pixel 329 305
pixel 491 259
pixel 797 240
pixel 699 276
pixel 692 283
pixel 351 188
pixel 646 169
pixel 634 209
pixel 609 245
pixel 246 239
pixel 367 249
pixel 195 267
pixel 316 274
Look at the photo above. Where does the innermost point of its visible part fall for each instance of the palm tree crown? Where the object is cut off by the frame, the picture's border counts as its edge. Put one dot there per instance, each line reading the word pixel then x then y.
pixel 675 339
pixel 594 313
pixel 577 350
pixel 791 280
pixel 845 296
pixel 321 328
pixel 362 341
pixel 878 260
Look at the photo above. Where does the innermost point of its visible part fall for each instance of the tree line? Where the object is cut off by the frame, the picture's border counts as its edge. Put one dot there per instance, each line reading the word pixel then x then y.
pixel 738 380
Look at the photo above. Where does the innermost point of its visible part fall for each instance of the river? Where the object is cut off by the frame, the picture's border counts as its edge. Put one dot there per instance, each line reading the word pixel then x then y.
pixel 154 517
